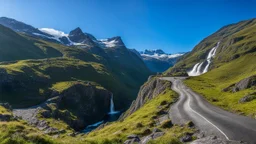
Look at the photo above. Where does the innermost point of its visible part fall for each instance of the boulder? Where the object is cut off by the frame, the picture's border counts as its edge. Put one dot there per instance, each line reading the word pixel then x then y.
pixel 132 139
pixel 186 138
pixel 248 98
pixel 132 136
pixel 245 83
pixel 156 130
pixel 151 137
pixel 167 124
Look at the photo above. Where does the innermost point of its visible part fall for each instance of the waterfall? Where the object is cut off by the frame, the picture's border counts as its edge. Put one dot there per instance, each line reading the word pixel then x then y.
pixel 197 69
pixel 112 106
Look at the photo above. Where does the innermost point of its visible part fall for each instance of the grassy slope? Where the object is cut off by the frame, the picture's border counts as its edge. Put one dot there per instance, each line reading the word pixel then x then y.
pixel 235 40
pixel 127 72
pixel 210 85
pixel 16 47
pixel 117 132
pixel 52 71
pixel 17 131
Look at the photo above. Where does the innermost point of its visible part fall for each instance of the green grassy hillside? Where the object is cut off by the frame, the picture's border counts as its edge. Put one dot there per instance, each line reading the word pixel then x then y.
pixel 211 85
pixel 122 75
pixel 235 40
pixel 31 80
pixel 16 47
pixel 137 123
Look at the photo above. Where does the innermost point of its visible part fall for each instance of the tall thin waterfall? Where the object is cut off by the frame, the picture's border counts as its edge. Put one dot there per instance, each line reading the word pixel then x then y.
pixel 112 106
pixel 197 69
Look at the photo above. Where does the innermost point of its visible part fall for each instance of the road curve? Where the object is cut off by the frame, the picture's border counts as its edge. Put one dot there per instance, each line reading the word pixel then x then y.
pixel 208 118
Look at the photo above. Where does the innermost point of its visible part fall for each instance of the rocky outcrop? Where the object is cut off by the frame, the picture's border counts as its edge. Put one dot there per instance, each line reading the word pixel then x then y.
pixel 148 91
pixel 78 105
pixel 248 98
pixel 87 102
pixel 241 85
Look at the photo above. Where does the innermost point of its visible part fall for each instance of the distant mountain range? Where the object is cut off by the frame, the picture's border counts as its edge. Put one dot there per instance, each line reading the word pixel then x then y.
pixel 157 60
pixel 75 37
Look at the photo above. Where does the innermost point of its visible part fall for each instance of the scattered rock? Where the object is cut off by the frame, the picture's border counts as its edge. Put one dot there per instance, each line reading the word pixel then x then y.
pixel 132 139
pixel 167 124
pixel 46 114
pixel 151 137
pixel 139 125
pixel 186 138
pixel 190 124
pixel 5 117
pixel 162 119
pixel 6 105
pixel 161 112
pixel 248 98
pixel 156 130
pixel 157 134
pixel 163 102
pixel 147 131
pixel 132 136
pixel 72 134
pixel 241 85
pixel 51 131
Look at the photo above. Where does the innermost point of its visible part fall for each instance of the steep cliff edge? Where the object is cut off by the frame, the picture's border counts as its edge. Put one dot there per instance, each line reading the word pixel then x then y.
pixel 149 90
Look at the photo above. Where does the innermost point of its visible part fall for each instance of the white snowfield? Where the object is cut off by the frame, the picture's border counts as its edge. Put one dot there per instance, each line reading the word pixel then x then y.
pixel 198 68
pixel 107 43
pixel 53 32
pixel 162 56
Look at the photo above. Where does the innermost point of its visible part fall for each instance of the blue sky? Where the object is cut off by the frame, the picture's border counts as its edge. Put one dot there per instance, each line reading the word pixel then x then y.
pixel 171 25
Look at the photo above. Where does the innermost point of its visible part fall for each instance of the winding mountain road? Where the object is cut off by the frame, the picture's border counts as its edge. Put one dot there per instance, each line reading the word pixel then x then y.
pixel 208 118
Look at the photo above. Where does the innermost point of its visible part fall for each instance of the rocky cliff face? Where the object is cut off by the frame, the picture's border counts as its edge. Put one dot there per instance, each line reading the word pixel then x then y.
pixel 78 105
pixel 87 102
pixel 152 88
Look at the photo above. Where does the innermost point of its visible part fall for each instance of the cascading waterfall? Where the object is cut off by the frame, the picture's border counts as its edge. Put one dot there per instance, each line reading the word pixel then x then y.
pixel 112 106
pixel 197 69
pixel 112 116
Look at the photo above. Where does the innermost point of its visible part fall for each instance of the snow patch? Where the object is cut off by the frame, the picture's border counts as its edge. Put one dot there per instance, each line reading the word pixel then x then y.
pixel 162 56
pixel 54 38
pixel 107 43
pixel 53 32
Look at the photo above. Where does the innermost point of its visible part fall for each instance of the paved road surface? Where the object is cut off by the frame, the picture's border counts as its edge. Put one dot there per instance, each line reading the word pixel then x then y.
pixel 208 118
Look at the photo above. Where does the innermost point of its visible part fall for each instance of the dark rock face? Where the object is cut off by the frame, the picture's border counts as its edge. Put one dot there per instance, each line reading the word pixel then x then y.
pixel 78 36
pixel 148 91
pixel 248 98
pixel 88 103
pixel 152 52
pixel 246 83
pixel 241 85
pixel 186 138
pixel 5 117
pixel 132 139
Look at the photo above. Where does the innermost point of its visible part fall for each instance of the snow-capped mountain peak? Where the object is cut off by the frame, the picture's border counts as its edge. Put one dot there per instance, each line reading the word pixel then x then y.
pixel 111 42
